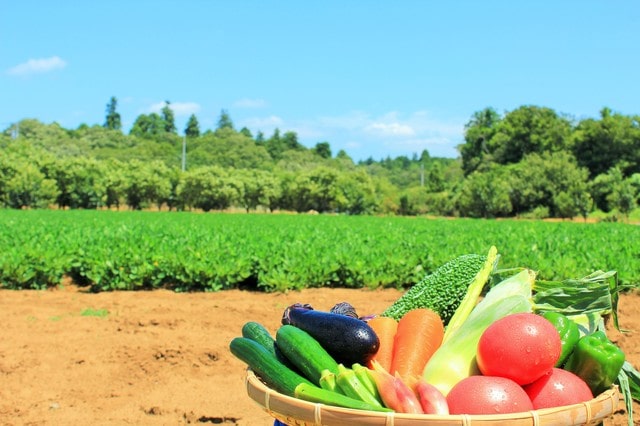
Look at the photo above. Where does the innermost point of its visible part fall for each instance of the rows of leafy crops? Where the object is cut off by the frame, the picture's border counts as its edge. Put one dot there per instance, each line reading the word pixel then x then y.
pixel 209 252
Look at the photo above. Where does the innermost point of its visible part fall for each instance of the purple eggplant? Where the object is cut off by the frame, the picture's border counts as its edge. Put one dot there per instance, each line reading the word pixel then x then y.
pixel 347 339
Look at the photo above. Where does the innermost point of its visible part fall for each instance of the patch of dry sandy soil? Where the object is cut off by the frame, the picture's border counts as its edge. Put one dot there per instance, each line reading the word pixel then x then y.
pixel 158 358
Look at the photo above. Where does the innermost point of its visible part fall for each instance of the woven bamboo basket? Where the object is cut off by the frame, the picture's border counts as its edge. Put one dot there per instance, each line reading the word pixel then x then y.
pixel 293 411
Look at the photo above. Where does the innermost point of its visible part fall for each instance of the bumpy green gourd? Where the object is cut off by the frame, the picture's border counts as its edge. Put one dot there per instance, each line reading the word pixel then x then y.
pixel 443 289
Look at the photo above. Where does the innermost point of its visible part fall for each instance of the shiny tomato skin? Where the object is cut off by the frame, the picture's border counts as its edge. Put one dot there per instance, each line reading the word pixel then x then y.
pixel 557 388
pixel 521 347
pixel 487 395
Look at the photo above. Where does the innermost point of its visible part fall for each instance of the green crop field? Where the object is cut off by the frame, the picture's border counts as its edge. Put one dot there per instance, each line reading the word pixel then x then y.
pixel 126 250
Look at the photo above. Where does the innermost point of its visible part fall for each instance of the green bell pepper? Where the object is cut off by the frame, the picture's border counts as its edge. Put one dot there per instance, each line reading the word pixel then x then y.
pixel 597 361
pixel 569 334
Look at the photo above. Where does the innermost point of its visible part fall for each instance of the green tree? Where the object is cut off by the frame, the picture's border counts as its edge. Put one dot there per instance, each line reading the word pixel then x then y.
pixel 565 207
pixel 246 132
pixel 622 194
pixel 274 145
pixel 113 120
pixel 358 193
pixel 405 206
pixel 224 121
pixel 192 130
pixel 79 181
pixel 52 137
pixel 601 186
pixel 434 179
pixel 320 190
pixel 260 188
pixel 96 140
pixel 7 170
pixel 323 149
pixel 624 198
pixel 277 145
pixel 477 133
pixel 573 202
pixel 316 189
pixel 526 130
pixel 145 184
pixel 114 183
pixel 207 188
pixel 343 157
pixel 29 188
pixel 414 201
pixel 441 203
pixel 485 194
pixel 539 179
pixel 168 118
pixel 634 181
pixel 290 141
pixel 231 150
pixel 148 125
pixel 612 141
pixel 174 176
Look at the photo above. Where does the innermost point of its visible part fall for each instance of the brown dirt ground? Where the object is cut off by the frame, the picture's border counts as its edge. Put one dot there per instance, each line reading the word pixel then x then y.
pixel 158 358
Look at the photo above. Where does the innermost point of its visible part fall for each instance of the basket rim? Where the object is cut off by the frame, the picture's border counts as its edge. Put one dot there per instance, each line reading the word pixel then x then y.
pixel 253 381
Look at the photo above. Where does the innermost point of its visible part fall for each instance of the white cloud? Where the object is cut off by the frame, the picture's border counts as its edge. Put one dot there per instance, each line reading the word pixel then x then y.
pixel 416 144
pixel 250 103
pixel 353 145
pixel 391 133
pixel 180 109
pixel 157 107
pixel 364 135
pixel 37 66
pixel 381 129
pixel 185 108
pixel 264 123
pixel 422 122
pixel 351 121
pixel 390 125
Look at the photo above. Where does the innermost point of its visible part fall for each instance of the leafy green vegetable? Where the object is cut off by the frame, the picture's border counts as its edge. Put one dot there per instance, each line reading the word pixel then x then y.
pixel 594 293
pixel 629 382
pixel 623 382
pixel 183 251
pixel 633 377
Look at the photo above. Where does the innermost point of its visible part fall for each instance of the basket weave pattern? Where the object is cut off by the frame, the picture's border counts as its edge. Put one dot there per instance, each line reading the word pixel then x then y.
pixel 293 411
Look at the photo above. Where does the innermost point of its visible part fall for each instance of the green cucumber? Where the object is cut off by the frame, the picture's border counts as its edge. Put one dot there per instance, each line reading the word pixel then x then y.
pixel 309 357
pixel 275 374
pixel 257 332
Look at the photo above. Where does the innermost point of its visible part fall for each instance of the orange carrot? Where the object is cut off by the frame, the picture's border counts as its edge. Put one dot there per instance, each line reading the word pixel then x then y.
pixel 420 333
pixel 385 328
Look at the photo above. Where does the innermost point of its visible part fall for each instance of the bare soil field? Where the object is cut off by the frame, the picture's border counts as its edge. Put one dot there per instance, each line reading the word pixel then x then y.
pixel 68 357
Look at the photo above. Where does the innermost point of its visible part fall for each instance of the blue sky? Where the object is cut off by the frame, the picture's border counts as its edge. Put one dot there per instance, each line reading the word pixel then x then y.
pixel 375 78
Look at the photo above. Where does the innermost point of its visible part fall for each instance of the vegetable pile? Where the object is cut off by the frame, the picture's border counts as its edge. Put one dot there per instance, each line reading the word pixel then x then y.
pixel 467 339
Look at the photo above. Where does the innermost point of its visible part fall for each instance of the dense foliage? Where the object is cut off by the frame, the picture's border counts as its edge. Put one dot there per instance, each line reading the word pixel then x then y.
pixel 531 162
pixel 124 250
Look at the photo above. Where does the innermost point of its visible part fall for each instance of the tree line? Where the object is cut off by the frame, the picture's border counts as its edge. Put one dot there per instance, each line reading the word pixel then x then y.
pixel 529 162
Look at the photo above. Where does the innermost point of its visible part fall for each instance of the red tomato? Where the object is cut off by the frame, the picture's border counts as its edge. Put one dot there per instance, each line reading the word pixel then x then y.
pixel 487 395
pixel 556 388
pixel 521 347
